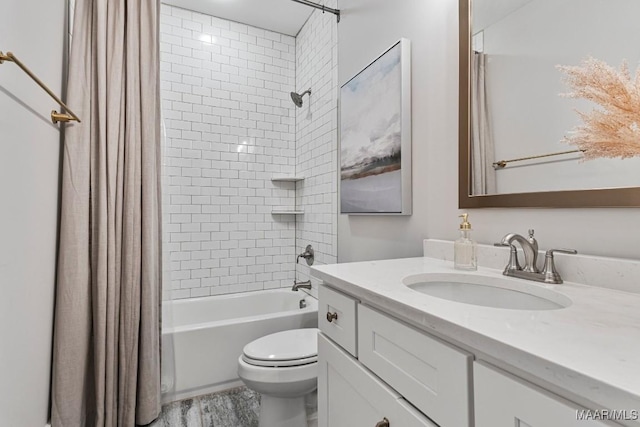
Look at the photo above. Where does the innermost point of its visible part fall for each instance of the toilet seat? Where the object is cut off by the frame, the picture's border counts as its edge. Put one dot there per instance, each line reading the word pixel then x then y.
pixel 280 363
pixel 283 349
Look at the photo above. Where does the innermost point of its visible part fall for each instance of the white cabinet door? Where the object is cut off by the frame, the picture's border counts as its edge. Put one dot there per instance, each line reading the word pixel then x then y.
pixel 350 396
pixel 502 400
pixel 432 375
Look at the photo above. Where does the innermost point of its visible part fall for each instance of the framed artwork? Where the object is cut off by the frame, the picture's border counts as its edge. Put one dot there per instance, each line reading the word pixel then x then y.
pixel 375 136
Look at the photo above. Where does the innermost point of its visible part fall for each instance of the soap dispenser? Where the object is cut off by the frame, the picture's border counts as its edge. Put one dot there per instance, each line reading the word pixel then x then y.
pixel 464 249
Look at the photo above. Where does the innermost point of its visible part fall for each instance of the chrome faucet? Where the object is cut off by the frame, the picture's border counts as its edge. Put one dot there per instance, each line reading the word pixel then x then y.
pixel 301 285
pixel 529 248
pixel 549 274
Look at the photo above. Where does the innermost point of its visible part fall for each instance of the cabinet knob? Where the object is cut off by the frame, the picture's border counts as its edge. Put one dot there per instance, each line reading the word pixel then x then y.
pixel 383 423
pixel 331 316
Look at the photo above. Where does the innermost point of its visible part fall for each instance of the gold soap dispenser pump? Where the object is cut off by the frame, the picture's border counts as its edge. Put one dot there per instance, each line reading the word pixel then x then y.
pixel 464 249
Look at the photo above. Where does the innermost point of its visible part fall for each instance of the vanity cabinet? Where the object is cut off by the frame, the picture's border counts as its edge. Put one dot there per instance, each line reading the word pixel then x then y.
pixel 377 371
pixel 337 318
pixel 502 400
pixel 432 375
pixel 351 396
pixel 374 368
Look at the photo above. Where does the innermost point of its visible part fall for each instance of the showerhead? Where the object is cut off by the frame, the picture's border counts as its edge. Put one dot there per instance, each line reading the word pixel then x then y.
pixel 297 98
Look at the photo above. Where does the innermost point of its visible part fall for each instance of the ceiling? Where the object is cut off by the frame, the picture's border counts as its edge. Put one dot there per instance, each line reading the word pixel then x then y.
pixel 282 16
pixel 488 12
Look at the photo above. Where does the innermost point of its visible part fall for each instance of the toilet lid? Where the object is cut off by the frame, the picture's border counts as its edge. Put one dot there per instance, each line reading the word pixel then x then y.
pixel 280 363
pixel 286 348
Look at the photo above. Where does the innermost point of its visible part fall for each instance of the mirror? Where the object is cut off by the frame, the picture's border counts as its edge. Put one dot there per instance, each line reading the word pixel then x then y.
pixel 547 117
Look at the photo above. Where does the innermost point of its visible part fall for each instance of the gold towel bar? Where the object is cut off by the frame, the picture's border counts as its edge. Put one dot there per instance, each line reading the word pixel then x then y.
pixel 502 163
pixel 55 116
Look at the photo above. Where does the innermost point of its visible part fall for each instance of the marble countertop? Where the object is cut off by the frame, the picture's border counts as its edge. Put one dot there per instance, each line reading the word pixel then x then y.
pixel 591 348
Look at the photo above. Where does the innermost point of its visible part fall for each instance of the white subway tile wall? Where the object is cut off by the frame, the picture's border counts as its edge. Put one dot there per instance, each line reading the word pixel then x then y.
pixel 229 126
pixel 317 139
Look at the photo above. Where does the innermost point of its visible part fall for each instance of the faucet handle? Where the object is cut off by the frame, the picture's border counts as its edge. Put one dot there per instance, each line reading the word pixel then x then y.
pixel 531 233
pixel 308 255
pixel 550 252
pixel 551 275
pixel 513 257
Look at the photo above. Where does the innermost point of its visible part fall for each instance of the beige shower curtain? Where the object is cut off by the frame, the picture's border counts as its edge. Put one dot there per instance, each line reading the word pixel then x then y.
pixel 482 143
pixel 106 361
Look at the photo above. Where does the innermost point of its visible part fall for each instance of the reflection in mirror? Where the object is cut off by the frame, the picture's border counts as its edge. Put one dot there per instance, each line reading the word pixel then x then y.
pixel 526 133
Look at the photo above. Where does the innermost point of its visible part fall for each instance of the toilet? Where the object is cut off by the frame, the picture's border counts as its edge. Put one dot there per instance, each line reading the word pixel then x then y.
pixel 283 368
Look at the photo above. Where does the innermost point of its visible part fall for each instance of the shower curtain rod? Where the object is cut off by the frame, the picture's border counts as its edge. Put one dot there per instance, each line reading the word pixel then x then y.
pixel 55 116
pixel 320 6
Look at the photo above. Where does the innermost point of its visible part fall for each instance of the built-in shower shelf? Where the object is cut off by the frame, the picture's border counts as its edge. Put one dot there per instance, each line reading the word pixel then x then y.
pixel 285 178
pixel 286 212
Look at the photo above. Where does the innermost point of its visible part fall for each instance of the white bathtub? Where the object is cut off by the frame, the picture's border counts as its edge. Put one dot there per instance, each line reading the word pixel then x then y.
pixel 203 337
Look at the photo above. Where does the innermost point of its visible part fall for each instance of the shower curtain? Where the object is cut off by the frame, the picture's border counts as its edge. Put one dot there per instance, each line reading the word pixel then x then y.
pixel 482 144
pixel 106 355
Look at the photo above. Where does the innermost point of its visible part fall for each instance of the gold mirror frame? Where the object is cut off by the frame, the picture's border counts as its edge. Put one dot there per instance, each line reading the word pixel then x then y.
pixel 610 197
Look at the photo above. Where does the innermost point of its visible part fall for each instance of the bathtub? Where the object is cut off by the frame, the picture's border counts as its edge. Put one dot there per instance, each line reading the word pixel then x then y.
pixel 203 337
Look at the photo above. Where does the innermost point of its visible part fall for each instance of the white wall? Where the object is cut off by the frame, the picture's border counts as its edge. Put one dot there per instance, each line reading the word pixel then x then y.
pixel 366 29
pixel 29 167
pixel 523 50
pixel 230 127
pixel 316 139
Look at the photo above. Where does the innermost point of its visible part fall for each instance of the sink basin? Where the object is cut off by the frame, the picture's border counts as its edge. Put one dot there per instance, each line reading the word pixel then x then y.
pixel 488 291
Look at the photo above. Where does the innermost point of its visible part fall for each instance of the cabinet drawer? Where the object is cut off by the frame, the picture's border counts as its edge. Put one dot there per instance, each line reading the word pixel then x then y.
pixel 429 373
pixel 342 326
pixel 350 396
pixel 502 400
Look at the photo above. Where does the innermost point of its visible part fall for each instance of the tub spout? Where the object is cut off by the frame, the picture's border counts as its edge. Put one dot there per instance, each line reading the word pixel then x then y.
pixel 301 285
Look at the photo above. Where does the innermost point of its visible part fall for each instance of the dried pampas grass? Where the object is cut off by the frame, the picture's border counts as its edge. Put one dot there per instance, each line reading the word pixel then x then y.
pixel 614 130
